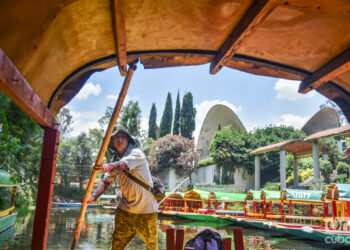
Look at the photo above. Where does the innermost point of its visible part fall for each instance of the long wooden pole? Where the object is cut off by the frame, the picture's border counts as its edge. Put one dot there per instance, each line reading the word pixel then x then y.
pixel 101 154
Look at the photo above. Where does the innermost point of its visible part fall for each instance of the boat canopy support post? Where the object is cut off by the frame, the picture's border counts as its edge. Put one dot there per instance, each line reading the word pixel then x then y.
pixel 295 171
pixel 257 172
pixel 283 168
pixel 103 149
pixel 45 188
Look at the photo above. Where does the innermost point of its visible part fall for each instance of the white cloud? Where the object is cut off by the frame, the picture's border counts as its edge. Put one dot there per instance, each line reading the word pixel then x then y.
pixel 292 120
pixel 112 97
pixel 126 100
pixel 89 89
pixel 204 107
pixel 83 121
pixel 288 90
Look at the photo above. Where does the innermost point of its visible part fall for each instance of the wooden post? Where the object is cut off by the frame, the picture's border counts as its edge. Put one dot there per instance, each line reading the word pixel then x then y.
pixel 264 209
pixel 270 207
pixel 245 207
pixel 208 206
pixel 227 243
pixel 180 234
pixel 13 195
pixel 216 204
pixel 238 238
pixel 103 149
pixel 45 188
pixel 290 210
pixel 170 240
pixel 348 215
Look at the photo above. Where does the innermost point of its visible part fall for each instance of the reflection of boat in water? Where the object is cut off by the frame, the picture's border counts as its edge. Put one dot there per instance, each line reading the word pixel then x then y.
pixel 105 201
pixel 7 214
pixel 74 205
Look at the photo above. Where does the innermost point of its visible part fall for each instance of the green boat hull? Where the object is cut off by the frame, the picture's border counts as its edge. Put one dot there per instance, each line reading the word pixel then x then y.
pixel 204 217
pixel 7 221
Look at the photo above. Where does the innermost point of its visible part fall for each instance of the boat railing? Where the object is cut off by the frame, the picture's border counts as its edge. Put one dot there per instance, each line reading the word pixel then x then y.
pixel 333 214
pixel 207 206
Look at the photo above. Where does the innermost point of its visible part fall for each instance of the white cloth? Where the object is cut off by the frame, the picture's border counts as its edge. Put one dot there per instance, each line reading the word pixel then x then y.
pixel 135 198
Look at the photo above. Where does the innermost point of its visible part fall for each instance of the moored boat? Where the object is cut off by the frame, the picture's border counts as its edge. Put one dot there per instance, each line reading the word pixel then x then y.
pixel 7 213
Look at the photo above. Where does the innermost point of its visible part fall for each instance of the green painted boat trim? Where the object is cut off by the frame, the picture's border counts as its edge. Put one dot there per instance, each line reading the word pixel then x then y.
pixel 272 195
pixel 7 221
pixel 203 217
pixel 308 195
pixel 221 195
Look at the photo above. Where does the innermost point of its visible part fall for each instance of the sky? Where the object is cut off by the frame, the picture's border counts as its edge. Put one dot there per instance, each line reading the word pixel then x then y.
pixel 258 101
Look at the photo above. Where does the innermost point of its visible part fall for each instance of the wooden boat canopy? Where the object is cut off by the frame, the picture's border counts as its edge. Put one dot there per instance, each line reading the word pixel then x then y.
pixel 57 45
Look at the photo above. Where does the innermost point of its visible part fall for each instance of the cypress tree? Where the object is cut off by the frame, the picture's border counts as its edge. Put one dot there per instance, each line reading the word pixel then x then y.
pixel 176 127
pixel 188 115
pixel 167 118
pixel 152 123
pixel 134 119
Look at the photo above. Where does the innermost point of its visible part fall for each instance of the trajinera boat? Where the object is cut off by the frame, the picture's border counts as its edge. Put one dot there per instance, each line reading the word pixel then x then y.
pixel 7 197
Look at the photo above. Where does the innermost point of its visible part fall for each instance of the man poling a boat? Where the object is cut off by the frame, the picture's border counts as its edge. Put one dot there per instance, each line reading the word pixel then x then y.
pixel 137 210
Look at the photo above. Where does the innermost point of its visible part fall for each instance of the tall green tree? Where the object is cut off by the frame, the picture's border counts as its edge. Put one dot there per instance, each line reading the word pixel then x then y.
pixel 188 116
pixel 176 127
pixel 134 119
pixel 129 117
pixel 64 118
pixel 82 158
pixel 152 123
pixel 167 118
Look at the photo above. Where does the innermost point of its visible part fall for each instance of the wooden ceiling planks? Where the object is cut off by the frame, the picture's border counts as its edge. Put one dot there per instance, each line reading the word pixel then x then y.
pixel 256 13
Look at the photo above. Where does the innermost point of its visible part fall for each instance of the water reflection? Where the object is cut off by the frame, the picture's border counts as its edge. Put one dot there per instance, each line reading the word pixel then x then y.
pixel 97 232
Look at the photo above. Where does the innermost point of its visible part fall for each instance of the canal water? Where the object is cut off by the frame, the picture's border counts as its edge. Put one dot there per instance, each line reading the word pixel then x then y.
pixel 96 233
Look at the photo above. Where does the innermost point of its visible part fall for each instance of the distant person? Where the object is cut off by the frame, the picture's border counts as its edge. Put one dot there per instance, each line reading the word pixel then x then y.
pixel 137 210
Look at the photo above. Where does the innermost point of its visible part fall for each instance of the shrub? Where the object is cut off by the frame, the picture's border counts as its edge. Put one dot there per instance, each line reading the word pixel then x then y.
pixel 206 162
pixel 302 176
pixel 343 168
pixel 326 170
pixel 274 186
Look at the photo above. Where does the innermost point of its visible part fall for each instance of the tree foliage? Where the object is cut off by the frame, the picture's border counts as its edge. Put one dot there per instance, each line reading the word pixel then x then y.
pixel 20 149
pixel 188 116
pixel 167 118
pixel 173 151
pixel 176 127
pixel 230 149
pixel 64 118
pixel 152 123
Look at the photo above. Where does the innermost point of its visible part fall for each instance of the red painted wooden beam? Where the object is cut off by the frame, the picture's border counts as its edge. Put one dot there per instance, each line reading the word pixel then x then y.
pixel 45 188
pixel 15 86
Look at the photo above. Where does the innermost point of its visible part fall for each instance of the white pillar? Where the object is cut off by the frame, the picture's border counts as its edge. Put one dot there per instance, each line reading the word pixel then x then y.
pixel 295 171
pixel 257 172
pixel 325 156
pixel 283 168
pixel 316 160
